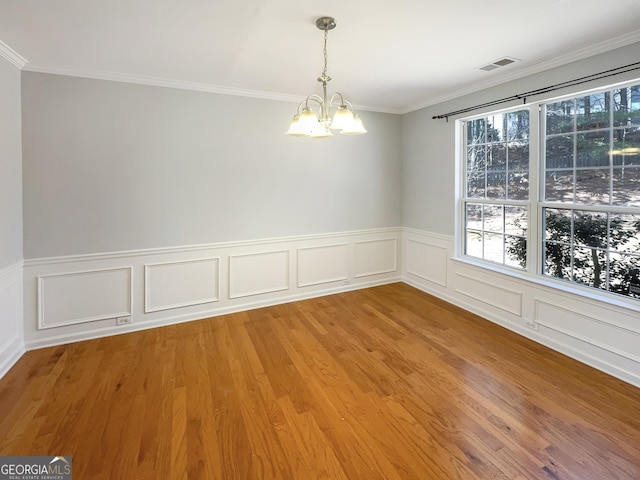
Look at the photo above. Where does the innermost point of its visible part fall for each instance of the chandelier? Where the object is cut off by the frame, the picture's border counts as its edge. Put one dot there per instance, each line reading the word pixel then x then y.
pixel 307 123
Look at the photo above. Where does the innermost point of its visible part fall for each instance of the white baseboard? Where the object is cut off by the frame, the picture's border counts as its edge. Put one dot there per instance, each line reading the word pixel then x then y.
pixel 11 319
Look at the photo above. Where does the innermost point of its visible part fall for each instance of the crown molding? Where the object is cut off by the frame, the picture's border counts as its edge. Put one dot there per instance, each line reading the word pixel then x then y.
pixel 157 82
pixel 586 52
pixel 581 54
pixel 12 56
pixel 178 84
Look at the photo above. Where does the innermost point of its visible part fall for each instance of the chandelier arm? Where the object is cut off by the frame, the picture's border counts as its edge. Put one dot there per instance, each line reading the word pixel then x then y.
pixel 333 97
pixel 316 98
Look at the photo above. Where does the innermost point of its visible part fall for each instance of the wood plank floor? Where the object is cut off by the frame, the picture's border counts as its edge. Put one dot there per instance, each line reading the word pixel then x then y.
pixel 383 383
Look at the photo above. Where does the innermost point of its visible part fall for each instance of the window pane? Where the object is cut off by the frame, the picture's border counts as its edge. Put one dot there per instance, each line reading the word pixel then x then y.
pixel 624 233
pixel 474 216
pixel 493 218
pixel 515 220
pixel 496 128
pixel 624 274
pixel 592 111
pixel 557 224
pixel 626 104
pixel 590 267
pixel 518 125
pixel 476 131
pixel 590 229
pixel 475 171
pixel 515 251
pixel 515 224
pixel 560 116
pixel 557 260
pixel 496 185
pixel 476 157
pixel 592 149
pixel 518 185
pixel 473 245
pixel 497 157
pixel 493 247
pixel 626 146
pixel 626 186
pixel 518 155
pixel 559 152
pixel 592 186
pixel 558 186
pixel 475 186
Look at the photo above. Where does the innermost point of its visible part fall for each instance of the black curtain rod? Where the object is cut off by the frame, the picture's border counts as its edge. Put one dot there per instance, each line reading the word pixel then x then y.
pixel 523 96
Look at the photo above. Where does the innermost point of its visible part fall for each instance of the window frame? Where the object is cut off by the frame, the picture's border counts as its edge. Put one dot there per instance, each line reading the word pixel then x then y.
pixel 534 271
pixel 462 189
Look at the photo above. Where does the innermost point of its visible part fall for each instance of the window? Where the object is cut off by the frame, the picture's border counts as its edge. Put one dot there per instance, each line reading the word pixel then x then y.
pixel 497 187
pixel 580 211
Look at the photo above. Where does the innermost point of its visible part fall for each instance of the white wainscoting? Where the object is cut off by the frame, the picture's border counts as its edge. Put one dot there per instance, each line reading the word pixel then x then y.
pixel 183 283
pixel 258 273
pixel 173 285
pixel 375 257
pixel 323 264
pixel 79 297
pixel 605 335
pixel 11 323
pixel 426 261
pixel 489 293
pixel 602 333
pixel 70 298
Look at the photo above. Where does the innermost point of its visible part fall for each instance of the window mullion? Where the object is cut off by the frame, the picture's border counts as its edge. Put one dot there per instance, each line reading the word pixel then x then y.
pixel 536 188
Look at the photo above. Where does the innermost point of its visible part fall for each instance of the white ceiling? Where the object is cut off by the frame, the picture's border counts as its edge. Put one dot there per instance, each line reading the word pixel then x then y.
pixel 393 56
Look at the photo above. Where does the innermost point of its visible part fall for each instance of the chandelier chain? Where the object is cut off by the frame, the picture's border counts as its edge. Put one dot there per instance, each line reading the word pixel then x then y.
pixel 324 72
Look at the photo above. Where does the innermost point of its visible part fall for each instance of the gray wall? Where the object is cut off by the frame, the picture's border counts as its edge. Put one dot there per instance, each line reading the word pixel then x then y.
pixel 111 166
pixel 429 147
pixel 10 166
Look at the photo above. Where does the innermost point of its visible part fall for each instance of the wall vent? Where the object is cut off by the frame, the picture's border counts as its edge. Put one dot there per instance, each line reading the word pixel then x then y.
pixel 503 62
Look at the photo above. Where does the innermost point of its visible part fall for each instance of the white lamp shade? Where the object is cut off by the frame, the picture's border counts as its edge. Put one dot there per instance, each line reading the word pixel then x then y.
pixel 308 120
pixel 295 129
pixel 356 129
pixel 342 119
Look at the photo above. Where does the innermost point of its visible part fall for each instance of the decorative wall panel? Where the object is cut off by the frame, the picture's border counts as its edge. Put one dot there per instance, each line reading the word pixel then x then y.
pixel 258 273
pixel 87 296
pixel 426 261
pixel 181 284
pixel 374 257
pixel 322 264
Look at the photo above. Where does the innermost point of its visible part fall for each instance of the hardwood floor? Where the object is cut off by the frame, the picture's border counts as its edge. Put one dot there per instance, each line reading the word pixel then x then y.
pixel 384 383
